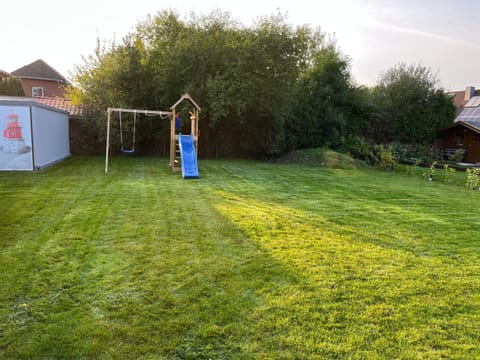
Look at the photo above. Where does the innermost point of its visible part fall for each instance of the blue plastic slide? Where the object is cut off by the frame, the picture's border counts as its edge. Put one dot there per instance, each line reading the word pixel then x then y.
pixel 188 157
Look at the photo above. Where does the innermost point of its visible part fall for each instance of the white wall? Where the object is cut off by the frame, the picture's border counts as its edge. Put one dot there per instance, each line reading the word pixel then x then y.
pixel 51 141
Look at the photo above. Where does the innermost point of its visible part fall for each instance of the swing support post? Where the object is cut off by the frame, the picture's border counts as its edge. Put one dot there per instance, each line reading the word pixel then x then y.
pixel 108 140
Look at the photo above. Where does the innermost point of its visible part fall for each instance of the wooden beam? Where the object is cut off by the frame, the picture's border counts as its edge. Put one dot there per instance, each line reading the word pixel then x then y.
pixel 145 112
pixel 172 140
pixel 189 99
pixel 108 141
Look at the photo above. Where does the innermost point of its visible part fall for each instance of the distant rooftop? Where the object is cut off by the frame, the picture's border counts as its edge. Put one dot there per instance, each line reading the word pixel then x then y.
pixel 40 70
pixel 471 112
pixel 473 102
pixel 60 103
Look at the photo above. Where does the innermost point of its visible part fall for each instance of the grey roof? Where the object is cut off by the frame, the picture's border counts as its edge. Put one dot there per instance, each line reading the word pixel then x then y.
pixel 473 102
pixel 40 70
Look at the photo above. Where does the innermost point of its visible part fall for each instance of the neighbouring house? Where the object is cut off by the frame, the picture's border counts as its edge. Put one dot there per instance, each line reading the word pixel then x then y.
pixel 460 98
pixel 40 79
pixel 464 134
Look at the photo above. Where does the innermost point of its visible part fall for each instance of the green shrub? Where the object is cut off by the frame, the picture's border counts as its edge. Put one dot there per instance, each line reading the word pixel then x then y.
pixel 414 152
pixel 449 174
pixel 457 156
pixel 382 157
pixel 358 147
pixel 473 181
pixel 320 157
pixel 430 173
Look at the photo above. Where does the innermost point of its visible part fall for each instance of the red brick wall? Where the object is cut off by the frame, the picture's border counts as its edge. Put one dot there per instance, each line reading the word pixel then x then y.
pixel 50 88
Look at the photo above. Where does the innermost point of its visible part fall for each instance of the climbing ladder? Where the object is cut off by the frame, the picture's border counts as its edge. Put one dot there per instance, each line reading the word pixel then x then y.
pixel 178 158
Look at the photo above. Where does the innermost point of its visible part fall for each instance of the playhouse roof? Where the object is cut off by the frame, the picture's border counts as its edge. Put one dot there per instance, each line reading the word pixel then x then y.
pixel 39 69
pixel 189 99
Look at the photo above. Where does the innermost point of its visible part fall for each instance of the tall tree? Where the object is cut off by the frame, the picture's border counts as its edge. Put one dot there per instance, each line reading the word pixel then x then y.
pixel 411 105
pixel 243 77
pixel 11 86
pixel 324 102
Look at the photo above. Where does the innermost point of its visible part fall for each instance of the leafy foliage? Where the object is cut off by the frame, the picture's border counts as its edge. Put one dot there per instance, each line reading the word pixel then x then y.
pixel 473 179
pixel 449 173
pixel 242 76
pixel 326 104
pixel 264 89
pixel 411 107
pixel 11 86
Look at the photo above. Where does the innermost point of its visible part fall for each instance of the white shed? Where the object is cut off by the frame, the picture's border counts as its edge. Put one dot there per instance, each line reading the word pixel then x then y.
pixel 32 135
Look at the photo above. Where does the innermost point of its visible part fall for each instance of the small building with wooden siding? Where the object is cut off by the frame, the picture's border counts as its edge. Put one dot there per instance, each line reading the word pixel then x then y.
pixel 464 133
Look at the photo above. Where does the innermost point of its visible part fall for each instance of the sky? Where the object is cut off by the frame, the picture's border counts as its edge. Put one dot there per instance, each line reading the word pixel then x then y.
pixel 375 34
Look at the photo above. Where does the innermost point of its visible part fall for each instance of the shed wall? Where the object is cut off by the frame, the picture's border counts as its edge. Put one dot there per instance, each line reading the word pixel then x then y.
pixel 50 136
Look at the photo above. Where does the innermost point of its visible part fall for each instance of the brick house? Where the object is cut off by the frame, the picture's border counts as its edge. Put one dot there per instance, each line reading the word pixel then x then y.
pixel 40 79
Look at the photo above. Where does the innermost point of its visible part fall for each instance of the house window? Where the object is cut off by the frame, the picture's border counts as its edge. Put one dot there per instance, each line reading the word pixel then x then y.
pixel 476 137
pixel 37 91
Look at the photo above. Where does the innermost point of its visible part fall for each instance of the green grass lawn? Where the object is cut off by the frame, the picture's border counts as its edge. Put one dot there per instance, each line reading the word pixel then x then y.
pixel 252 261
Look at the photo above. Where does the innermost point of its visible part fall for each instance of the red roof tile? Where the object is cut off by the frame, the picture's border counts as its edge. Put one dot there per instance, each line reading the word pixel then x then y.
pixel 60 103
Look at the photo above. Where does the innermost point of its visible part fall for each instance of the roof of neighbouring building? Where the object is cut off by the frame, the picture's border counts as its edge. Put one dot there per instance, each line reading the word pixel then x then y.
pixel 23 101
pixel 61 103
pixel 57 103
pixel 472 125
pixel 39 69
pixel 471 111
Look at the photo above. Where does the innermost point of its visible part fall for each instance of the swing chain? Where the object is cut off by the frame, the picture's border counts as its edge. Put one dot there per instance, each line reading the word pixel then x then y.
pixel 134 131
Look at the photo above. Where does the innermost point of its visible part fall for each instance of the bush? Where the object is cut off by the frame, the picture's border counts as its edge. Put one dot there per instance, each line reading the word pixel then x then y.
pixel 430 173
pixel 382 157
pixel 319 157
pixel 358 147
pixel 411 153
pixel 449 173
pixel 473 181
pixel 457 156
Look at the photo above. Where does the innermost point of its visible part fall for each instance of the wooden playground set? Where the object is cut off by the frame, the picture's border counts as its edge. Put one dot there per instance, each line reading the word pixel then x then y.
pixel 183 147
